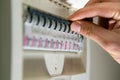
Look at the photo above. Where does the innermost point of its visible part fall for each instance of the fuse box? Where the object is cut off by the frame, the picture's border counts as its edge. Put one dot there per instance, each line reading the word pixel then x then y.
pixel 47 34
pixel 37 44
pixel 43 31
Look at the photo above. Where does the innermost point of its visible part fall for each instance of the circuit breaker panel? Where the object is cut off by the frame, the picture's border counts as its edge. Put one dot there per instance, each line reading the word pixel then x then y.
pixel 37 44
pixel 51 50
pixel 44 31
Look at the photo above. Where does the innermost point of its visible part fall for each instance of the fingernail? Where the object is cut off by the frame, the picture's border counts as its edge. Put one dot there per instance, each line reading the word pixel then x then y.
pixel 76 27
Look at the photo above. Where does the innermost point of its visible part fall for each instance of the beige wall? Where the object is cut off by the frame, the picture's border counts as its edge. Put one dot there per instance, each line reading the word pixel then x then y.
pixel 5 39
pixel 102 66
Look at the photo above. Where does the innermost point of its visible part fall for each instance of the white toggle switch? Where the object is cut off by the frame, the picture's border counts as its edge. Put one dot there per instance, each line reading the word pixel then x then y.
pixel 54 63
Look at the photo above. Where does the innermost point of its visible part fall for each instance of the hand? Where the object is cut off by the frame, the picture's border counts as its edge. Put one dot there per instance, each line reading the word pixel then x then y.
pixel 101 21
pixel 109 39
pixel 99 1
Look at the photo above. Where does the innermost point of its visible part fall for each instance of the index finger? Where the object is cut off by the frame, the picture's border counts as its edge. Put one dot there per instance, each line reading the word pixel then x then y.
pixel 98 9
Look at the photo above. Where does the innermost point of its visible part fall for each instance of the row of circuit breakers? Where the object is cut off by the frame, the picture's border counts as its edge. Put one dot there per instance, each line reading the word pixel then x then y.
pixel 43 31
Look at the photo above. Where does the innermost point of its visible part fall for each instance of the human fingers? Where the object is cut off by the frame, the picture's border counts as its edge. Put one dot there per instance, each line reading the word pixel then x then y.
pixel 90 2
pixel 117 25
pixel 90 30
pixel 98 9
pixel 101 21
pixel 108 40
pixel 104 22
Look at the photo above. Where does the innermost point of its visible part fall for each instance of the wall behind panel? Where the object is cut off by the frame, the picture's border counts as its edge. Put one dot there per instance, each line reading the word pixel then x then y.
pixel 5 39
pixel 0 49
pixel 102 65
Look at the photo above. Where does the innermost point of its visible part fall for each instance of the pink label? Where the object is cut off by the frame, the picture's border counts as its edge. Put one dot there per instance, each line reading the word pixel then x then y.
pixel 39 42
pixel 45 43
pixel 73 46
pixel 32 41
pixel 61 44
pixel 57 44
pixel 25 41
pixel 69 45
pixel 76 47
pixel 51 43
pixel 65 45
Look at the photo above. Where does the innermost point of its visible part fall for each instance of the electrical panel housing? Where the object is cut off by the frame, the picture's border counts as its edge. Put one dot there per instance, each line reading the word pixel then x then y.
pixel 37 44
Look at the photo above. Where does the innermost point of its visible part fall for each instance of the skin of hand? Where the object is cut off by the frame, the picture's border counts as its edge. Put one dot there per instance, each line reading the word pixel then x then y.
pixel 101 21
pixel 90 2
pixel 108 39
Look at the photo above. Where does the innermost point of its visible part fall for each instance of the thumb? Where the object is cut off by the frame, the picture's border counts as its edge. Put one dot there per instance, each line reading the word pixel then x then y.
pixel 92 31
pixel 107 39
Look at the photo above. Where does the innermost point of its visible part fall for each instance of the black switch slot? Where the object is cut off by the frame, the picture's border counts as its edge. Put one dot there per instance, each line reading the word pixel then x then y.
pixel 55 25
pixel 65 28
pixel 50 23
pixel 38 20
pixel 60 26
pixel 31 17
pixel 44 21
